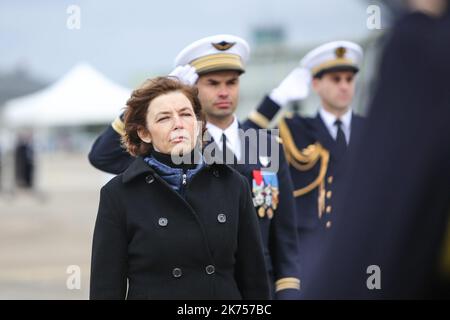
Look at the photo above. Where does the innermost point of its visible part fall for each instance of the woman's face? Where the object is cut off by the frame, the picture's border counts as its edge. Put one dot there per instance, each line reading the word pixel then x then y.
pixel 171 125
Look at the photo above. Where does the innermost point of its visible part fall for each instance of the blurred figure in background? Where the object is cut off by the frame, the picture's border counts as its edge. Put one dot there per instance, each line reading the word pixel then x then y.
pixel 392 239
pixel 1 162
pixel 24 161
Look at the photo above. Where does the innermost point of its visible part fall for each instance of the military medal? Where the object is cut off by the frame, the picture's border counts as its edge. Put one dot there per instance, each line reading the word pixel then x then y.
pixel 265 192
pixel 261 212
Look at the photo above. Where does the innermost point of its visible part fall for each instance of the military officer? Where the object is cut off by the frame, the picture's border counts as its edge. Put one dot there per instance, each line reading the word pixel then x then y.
pixel 218 61
pixel 316 147
pixel 392 240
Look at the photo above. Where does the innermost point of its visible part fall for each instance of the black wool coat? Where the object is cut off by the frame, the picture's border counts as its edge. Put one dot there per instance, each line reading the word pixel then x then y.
pixel 204 245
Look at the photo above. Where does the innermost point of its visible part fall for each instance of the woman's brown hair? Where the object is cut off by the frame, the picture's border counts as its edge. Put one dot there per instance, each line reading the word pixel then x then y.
pixel 137 106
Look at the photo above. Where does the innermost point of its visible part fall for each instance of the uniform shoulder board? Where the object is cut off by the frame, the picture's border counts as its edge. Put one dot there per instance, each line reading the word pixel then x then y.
pixel 118 126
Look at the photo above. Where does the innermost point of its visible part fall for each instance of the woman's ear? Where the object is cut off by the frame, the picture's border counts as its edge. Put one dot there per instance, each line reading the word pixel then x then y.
pixel 144 135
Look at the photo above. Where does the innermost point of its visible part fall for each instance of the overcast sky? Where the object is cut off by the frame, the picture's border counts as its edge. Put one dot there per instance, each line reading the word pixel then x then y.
pixel 127 38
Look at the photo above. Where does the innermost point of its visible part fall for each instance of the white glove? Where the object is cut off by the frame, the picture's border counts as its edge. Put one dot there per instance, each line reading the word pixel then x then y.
pixel 186 74
pixel 294 87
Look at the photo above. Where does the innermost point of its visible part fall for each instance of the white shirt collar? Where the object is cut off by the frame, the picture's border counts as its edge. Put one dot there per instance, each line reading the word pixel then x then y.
pixel 329 120
pixel 232 134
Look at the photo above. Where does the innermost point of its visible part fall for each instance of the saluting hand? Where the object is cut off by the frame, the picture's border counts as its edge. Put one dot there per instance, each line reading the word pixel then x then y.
pixel 186 74
pixel 294 87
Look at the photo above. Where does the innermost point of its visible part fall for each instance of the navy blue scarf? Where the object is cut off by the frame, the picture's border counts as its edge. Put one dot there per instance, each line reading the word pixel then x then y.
pixel 173 173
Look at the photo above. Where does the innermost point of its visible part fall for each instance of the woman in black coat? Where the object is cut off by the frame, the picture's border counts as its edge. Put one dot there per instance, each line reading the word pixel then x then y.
pixel 171 230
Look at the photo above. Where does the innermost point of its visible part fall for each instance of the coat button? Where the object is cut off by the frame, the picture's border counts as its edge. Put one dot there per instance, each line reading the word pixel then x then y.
pixel 163 222
pixel 328 224
pixel 222 218
pixel 176 272
pixel 330 179
pixel 328 209
pixel 210 269
pixel 329 193
pixel 149 179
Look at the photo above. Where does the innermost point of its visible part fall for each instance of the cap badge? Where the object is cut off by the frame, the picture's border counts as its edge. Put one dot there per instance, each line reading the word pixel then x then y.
pixel 340 52
pixel 223 45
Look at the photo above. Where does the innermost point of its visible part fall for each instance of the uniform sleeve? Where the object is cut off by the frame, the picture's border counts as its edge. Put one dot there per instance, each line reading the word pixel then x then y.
pixel 250 271
pixel 283 242
pixel 109 253
pixel 263 115
pixel 107 153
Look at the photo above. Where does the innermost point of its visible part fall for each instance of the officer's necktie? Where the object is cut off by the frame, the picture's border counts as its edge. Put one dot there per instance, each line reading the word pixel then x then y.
pixel 228 155
pixel 341 143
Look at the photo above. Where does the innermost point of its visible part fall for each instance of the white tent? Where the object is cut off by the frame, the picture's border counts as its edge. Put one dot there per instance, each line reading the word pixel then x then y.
pixel 81 97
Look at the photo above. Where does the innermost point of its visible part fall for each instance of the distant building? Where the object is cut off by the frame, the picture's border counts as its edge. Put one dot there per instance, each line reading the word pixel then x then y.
pixel 18 83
